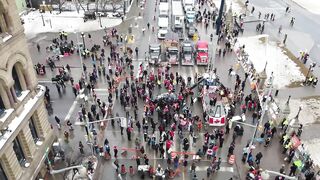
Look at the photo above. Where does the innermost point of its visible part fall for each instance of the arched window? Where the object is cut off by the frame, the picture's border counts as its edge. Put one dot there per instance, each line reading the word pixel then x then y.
pixel 17 85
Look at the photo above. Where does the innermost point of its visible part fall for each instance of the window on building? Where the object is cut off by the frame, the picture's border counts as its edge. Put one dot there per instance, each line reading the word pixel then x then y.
pixel 18 150
pixel 17 85
pixel 3 175
pixel 33 130
pixel 2 107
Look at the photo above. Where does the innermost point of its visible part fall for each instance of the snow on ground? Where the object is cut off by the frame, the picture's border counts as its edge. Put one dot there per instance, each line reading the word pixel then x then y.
pixel 312 147
pixel 311 5
pixel 310 112
pixel 261 51
pixel 66 21
pixel 236 7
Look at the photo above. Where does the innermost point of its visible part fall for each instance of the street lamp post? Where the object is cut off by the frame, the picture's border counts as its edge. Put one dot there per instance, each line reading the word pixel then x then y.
pixel 42 19
pixel 286 110
pixel 265 175
pixel 84 43
pixel 100 20
pixel 80 52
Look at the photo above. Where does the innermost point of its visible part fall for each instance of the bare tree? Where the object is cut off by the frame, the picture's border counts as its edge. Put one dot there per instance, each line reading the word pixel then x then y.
pixel 113 3
pixel 60 4
pixel 96 2
pixel 80 3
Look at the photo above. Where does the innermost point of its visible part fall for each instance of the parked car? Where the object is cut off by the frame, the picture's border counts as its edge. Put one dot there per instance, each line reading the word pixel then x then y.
pixel 89 15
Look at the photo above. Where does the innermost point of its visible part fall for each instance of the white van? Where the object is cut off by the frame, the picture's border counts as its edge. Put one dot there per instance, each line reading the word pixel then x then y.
pixel 163 23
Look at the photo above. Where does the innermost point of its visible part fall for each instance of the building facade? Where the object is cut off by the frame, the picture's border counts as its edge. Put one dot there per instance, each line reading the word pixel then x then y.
pixel 25 132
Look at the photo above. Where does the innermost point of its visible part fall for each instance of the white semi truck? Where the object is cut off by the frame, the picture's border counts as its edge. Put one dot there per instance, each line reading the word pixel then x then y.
pixel 177 15
pixel 163 20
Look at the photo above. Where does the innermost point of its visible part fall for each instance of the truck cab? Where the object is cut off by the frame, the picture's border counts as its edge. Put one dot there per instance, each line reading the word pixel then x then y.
pixel 154 53
pixel 202 56
pixel 187 57
pixel 172 51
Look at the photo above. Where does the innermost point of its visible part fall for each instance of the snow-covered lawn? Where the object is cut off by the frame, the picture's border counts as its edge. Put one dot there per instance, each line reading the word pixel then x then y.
pixel 66 21
pixel 236 7
pixel 260 51
pixel 310 112
pixel 311 5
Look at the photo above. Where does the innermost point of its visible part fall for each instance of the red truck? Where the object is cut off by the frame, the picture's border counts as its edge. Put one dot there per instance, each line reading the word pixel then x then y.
pixel 202 56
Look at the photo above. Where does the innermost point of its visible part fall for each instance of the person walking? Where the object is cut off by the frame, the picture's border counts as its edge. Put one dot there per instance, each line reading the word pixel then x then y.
pixel 218 164
pixel 81 147
pixel 280 28
pixel 129 133
pixel 258 158
pixel 115 151
pixel 293 170
pixel 138 161
pixel 193 167
pixel 38 47
pixel 58 122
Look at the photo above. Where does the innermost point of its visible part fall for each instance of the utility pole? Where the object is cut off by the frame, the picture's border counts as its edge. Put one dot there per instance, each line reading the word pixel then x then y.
pixel 100 20
pixel 264 110
pixel 42 19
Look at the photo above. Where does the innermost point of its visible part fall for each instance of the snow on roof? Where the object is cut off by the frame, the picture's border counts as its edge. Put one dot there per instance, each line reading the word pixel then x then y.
pixel 18 119
pixel 66 21
pixel 260 51
pixel 311 5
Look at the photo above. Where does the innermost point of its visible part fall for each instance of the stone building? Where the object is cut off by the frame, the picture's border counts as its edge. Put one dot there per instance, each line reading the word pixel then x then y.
pixel 25 132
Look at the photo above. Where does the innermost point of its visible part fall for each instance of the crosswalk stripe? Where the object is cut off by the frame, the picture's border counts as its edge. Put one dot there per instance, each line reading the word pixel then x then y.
pixel 222 169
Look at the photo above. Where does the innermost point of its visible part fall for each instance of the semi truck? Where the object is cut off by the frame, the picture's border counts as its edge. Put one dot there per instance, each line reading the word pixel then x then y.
pixel 172 51
pixel 163 20
pixel 154 53
pixel 202 56
pixel 187 54
pixel 177 15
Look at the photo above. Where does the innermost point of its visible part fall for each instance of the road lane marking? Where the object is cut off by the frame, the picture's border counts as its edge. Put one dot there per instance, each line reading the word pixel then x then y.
pixel 222 169
pixel 72 108
pixel 45 81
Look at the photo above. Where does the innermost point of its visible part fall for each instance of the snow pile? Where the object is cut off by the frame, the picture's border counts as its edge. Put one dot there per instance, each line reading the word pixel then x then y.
pixel 312 147
pixel 66 21
pixel 310 112
pixel 311 5
pixel 260 51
